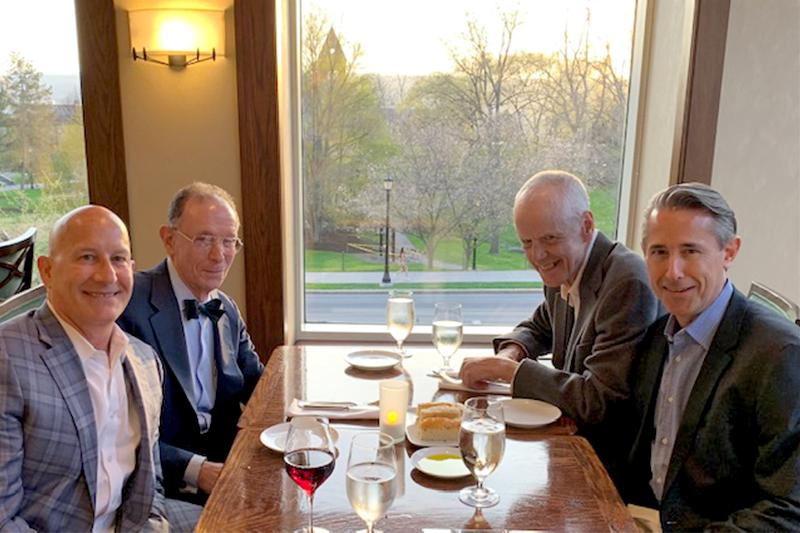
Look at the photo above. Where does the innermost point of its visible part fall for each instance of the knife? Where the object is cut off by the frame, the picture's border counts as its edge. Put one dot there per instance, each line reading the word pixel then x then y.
pixel 339 406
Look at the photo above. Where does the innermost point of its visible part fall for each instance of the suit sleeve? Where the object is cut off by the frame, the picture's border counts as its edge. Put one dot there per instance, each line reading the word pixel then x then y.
pixel 247 359
pixel 776 472
pixel 158 514
pixel 535 335
pixel 621 318
pixel 11 448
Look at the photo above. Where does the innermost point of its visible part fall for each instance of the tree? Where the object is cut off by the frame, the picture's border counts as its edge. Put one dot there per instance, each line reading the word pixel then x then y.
pixel 30 122
pixel 344 132
pixel 482 106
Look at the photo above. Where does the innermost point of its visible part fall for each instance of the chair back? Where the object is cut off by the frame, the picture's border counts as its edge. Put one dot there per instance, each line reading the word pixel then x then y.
pixel 775 301
pixel 16 264
pixel 22 303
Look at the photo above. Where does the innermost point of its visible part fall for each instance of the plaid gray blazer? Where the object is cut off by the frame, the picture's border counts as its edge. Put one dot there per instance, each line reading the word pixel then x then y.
pixel 48 440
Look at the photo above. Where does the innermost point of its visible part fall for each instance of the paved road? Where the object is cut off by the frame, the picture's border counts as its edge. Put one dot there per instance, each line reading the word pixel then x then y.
pixel 425 276
pixel 482 308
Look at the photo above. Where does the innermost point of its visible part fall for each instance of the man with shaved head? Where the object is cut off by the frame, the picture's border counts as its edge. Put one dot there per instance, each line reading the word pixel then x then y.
pixel 80 399
pixel 597 305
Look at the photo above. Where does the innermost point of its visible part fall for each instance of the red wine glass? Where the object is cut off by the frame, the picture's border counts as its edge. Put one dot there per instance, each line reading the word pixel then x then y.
pixel 309 456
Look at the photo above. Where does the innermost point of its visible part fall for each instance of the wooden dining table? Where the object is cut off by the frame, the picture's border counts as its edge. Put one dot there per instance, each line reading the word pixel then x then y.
pixel 549 478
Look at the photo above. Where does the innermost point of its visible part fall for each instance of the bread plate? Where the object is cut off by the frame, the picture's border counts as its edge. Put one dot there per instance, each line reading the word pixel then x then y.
pixel 274 437
pixel 527 413
pixel 372 360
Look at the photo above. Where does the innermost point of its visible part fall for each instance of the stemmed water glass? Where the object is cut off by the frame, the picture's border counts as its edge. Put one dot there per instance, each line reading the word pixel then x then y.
pixel 400 317
pixel 371 473
pixel 448 330
pixel 482 441
pixel 309 456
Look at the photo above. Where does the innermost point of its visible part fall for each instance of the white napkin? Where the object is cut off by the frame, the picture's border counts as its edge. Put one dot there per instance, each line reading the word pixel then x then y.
pixel 491 388
pixel 359 412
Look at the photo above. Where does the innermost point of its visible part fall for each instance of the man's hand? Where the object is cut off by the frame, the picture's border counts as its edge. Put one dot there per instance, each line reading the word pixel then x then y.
pixel 476 371
pixel 207 478
pixel 512 351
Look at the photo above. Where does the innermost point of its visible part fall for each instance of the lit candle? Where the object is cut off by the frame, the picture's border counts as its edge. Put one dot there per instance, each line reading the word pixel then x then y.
pixel 393 406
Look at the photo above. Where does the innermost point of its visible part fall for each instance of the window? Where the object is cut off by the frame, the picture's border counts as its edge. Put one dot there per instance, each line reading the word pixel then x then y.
pixel 42 155
pixel 416 124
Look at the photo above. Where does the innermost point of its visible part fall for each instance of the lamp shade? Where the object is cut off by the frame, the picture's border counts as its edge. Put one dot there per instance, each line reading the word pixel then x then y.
pixel 176 31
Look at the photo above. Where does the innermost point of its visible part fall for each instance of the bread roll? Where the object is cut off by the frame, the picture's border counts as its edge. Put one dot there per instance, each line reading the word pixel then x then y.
pixel 439 421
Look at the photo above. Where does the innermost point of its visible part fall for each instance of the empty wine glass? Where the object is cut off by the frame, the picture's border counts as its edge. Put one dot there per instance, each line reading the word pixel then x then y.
pixel 400 317
pixel 309 456
pixel 371 473
pixel 482 441
pixel 448 330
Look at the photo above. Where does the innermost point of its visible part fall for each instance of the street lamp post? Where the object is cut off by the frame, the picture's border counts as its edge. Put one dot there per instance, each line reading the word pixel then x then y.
pixel 387 280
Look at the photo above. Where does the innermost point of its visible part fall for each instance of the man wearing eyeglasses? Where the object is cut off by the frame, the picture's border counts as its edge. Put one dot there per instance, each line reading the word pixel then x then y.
pixel 210 364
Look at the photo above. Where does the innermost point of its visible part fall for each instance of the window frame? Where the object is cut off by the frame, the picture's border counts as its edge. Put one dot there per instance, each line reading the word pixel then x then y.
pixel 288 31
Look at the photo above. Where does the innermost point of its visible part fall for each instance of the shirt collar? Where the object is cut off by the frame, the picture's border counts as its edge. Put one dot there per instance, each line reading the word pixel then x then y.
pixel 572 293
pixel 703 328
pixel 180 289
pixel 117 348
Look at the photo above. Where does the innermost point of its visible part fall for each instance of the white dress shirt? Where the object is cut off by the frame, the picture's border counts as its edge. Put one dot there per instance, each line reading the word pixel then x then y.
pixel 115 416
pixel 572 294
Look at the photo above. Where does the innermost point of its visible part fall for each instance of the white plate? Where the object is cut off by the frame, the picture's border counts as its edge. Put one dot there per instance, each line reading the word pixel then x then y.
pixel 274 437
pixel 526 413
pixel 440 461
pixel 372 359
pixel 412 433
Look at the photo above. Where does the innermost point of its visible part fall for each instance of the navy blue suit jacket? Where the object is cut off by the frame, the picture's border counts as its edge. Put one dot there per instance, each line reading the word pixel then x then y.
pixel 736 457
pixel 153 315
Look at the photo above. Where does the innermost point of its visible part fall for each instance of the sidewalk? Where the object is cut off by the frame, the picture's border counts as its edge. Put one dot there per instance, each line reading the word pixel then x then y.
pixel 450 276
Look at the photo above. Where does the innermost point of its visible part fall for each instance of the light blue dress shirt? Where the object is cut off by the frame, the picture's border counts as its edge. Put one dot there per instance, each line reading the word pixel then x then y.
pixel 199 336
pixel 687 351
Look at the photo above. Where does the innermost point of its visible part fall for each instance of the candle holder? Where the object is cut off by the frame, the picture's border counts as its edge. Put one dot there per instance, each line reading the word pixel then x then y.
pixel 393 406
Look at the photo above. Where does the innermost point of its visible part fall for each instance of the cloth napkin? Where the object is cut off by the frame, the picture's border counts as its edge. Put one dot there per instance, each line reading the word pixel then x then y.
pixel 359 412
pixel 491 388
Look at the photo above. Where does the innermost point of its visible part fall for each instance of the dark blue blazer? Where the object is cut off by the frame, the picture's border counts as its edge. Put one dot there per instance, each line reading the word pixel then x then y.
pixel 735 464
pixel 153 315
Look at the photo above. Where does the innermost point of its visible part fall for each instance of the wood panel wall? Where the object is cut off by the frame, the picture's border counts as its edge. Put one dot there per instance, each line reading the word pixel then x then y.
pixel 257 80
pixel 696 156
pixel 102 109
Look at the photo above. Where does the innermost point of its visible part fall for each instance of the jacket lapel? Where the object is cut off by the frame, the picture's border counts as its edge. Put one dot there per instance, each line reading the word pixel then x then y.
pixel 647 384
pixel 227 368
pixel 591 282
pixel 64 365
pixel 168 328
pixel 141 481
pixel 716 361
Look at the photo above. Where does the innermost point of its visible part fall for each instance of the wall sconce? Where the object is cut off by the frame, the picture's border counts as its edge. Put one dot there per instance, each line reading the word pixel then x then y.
pixel 183 37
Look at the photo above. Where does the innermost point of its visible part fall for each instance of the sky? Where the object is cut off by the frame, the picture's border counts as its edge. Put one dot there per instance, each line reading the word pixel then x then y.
pixel 413 36
pixel 398 37
pixel 43 31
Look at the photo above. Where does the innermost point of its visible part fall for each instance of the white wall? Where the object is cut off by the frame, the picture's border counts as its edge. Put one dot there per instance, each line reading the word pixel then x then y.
pixel 757 153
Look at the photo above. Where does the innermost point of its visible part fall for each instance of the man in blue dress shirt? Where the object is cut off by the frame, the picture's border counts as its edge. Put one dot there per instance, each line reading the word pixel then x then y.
pixel 715 389
pixel 210 364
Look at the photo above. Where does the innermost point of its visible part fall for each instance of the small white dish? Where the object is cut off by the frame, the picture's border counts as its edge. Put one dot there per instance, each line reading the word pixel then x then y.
pixel 372 360
pixel 274 437
pixel 527 413
pixel 440 461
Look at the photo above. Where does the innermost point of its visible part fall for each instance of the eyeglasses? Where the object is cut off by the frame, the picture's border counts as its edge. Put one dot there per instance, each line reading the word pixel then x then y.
pixel 205 242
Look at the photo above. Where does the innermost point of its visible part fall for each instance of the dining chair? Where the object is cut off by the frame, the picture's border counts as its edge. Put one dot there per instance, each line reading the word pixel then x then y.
pixel 16 264
pixel 775 301
pixel 22 302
